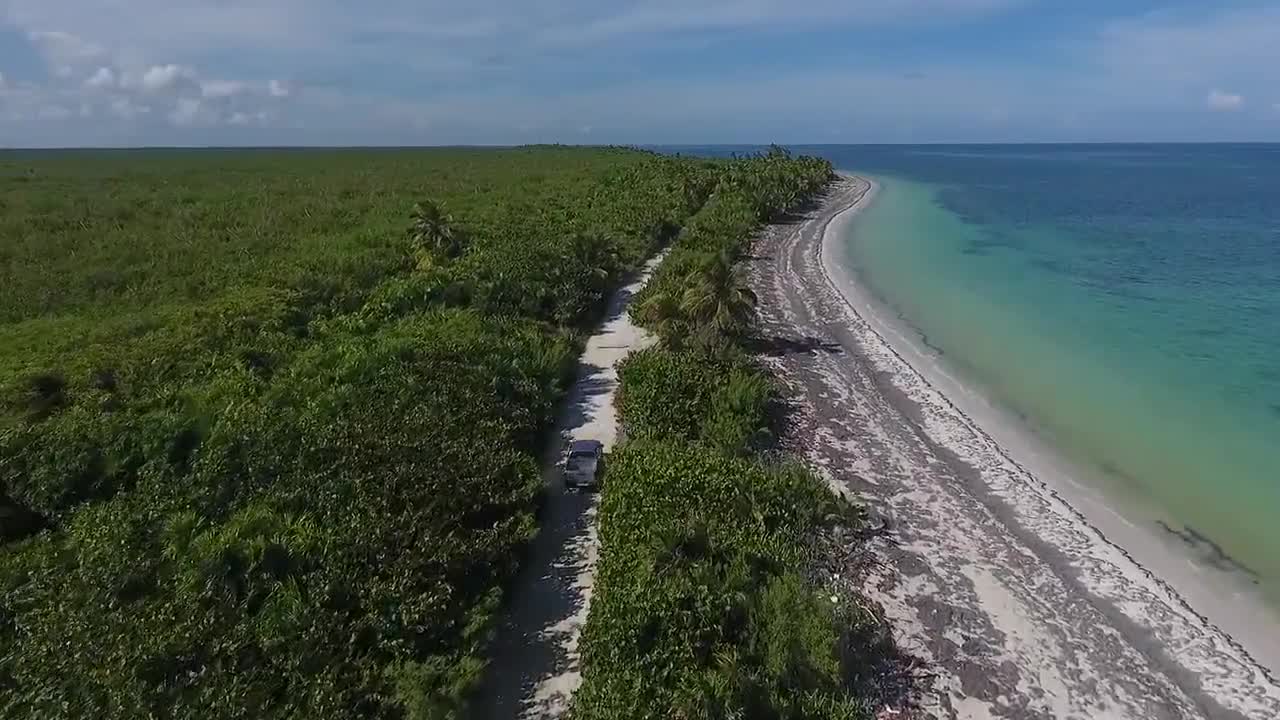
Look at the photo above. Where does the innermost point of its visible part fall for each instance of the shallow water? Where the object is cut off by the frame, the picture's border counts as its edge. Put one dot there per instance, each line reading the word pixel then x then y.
pixel 1124 300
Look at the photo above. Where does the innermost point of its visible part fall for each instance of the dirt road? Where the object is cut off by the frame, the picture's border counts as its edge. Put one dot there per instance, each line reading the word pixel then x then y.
pixel 534 667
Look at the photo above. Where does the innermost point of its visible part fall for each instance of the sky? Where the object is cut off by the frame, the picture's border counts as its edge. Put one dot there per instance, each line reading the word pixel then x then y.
pixel 440 72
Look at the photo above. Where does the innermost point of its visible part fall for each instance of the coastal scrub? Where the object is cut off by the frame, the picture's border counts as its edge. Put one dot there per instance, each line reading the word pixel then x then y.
pixel 704 605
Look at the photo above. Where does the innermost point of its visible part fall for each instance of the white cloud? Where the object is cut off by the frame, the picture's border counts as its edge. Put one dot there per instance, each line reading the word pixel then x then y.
pixel 187 111
pixel 103 78
pixel 1112 78
pixel 445 36
pixel 164 50
pixel 1218 100
pixel 164 77
pixel 65 52
pixel 1 81
pixel 171 26
pixel 126 109
pixel 124 91
pixel 64 49
pixel 222 88
pixel 1180 53
pixel 242 119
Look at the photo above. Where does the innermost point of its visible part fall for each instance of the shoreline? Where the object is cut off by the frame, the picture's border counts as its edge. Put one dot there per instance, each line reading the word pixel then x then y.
pixel 992 575
pixel 1236 610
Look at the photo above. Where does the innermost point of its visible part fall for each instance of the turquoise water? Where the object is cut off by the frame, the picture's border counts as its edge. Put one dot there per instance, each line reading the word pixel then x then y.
pixel 1125 301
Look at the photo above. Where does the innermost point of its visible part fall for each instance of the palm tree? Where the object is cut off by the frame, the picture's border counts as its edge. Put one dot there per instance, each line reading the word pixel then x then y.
pixel 718 302
pixel 598 254
pixel 433 231
pixel 661 312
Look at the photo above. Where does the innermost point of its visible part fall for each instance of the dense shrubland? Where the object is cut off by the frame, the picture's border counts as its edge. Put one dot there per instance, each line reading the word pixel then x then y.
pixel 702 607
pixel 269 420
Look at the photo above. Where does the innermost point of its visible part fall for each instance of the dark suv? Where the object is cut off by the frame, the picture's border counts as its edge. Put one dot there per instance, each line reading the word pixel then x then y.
pixel 583 465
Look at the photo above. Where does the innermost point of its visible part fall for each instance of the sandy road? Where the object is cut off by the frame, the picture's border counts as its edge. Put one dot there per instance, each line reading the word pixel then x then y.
pixel 534 665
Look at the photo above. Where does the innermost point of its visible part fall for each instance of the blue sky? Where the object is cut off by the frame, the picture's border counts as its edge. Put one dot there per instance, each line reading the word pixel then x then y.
pixel 231 72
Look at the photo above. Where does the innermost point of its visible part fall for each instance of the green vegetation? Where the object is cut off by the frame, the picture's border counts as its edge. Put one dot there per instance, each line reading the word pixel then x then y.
pixel 269 424
pixel 702 607
pixel 269 420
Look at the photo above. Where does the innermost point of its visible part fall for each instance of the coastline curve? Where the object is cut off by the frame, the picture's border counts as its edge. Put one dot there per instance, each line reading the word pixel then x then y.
pixel 1029 608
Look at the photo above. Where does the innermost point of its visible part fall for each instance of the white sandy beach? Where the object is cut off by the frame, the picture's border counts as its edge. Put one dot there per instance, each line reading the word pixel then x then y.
pixel 1023 595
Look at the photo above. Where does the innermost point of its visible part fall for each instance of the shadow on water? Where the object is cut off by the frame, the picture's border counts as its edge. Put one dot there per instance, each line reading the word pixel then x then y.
pixel 1209 551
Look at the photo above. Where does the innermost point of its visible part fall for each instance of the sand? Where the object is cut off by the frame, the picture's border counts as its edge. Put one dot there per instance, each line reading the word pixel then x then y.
pixel 534 665
pixel 1015 603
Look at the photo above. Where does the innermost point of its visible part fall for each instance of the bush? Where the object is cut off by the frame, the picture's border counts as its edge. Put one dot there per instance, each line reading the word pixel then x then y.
pixel 664 394
pixel 690 396
pixel 699 610
pixel 701 607
pixel 301 556
pixel 737 419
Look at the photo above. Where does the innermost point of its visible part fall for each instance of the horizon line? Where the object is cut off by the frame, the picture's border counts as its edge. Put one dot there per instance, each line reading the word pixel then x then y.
pixel 645 146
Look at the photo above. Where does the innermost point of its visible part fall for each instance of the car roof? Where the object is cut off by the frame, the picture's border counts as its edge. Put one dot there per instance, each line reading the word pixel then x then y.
pixel 584 445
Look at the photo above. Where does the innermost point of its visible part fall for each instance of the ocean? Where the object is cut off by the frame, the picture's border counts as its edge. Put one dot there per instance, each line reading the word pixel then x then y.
pixel 1121 301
